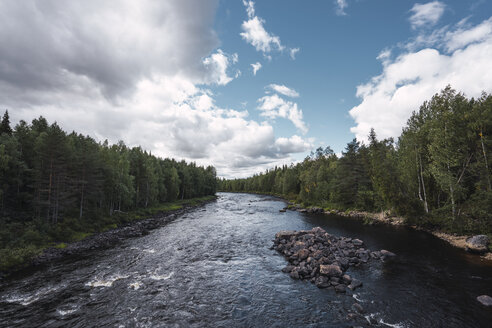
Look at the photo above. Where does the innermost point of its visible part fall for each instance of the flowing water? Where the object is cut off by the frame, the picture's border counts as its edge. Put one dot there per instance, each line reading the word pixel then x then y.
pixel 213 266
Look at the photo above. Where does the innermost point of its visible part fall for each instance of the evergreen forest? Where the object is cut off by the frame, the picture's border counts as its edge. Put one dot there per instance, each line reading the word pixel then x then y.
pixel 57 187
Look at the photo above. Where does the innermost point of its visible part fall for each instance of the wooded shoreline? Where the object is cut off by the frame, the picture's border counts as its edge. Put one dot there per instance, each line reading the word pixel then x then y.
pixel 108 238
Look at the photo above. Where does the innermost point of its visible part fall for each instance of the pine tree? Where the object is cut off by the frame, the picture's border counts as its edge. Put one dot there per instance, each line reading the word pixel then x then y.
pixel 5 125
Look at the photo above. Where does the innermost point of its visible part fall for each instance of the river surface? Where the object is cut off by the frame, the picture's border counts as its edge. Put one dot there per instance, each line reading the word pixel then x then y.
pixel 213 267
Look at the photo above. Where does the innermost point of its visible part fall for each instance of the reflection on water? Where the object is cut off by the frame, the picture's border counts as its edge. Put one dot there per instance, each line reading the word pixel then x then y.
pixel 214 267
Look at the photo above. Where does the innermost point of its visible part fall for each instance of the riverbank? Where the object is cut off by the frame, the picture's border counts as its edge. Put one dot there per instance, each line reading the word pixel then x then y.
pixel 132 224
pixel 459 241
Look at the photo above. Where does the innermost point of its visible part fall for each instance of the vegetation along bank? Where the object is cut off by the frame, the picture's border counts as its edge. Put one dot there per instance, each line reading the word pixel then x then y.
pixel 436 176
pixel 58 187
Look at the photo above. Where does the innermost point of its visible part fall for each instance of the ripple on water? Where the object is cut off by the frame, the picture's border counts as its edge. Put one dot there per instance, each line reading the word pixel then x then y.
pixel 105 282
pixel 28 298
pixel 67 310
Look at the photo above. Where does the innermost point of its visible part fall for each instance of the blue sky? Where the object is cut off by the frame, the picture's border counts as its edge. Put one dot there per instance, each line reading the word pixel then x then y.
pixel 336 54
pixel 176 76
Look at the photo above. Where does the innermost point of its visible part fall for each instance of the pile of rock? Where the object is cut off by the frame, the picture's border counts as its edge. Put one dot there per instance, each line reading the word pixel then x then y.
pixel 322 258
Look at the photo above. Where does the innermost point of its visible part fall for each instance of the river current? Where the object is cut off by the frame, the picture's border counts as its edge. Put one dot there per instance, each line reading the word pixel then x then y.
pixel 213 267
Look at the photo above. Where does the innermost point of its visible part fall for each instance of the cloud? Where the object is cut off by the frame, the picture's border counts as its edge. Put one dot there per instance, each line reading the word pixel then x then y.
pixel 340 7
pixel 139 72
pixel 217 65
pixel 255 34
pixel 272 106
pixel 294 144
pixel 286 91
pixel 293 52
pixel 256 67
pixel 388 99
pixel 427 14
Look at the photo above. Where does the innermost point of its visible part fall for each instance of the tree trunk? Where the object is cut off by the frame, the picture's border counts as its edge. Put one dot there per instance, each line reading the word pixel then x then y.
pixel 81 203
pixel 487 175
pixel 451 192
pixel 426 207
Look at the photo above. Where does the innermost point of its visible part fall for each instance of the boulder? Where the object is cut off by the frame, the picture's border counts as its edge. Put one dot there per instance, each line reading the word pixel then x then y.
pixel 330 270
pixel 357 307
pixel 346 279
pixel 322 282
pixel 386 254
pixel 285 234
pixel 303 254
pixel 477 244
pixel 355 284
pixel 357 242
pixel 485 300
pixel 340 288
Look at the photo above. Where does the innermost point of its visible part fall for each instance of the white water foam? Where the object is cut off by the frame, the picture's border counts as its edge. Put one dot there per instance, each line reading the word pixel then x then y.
pixel 135 285
pixel 26 299
pixel 357 298
pixel 65 312
pixel 161 277
pixel 381 321
pixel 150 250
pixel 106 282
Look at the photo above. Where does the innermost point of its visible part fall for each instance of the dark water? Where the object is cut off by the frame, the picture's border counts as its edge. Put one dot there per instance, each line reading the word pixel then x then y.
pixel 213 267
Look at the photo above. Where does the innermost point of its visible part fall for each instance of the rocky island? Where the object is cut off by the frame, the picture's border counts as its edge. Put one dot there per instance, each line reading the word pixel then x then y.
pixel 322 258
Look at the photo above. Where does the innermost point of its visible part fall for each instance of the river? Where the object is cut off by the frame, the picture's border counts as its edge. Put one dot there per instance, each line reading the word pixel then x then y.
pixel 213 267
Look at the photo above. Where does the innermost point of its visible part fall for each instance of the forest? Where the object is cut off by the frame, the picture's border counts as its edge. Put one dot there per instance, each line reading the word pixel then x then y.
pixel 436 175
pixel 58 187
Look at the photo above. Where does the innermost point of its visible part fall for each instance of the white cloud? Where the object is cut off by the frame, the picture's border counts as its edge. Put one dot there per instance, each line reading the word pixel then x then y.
pixel 286 91
pixel 294 144
pixel 254 32
pixel 427 14
pixel 217 65
pixel 414 76
pixel 341 5
pixel 256 67
pixel 272 106
pixel 293 52
pixel 139 72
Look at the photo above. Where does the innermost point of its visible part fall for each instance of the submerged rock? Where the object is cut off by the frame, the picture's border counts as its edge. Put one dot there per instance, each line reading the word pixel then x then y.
pixel 322 258
pixel 485 300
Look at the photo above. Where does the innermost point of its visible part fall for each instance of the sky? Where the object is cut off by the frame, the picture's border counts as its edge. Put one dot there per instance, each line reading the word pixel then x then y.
pixel 241 85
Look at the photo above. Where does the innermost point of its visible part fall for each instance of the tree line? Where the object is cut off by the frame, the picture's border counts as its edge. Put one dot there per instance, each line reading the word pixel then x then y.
pixel 54 184
pixel 437 174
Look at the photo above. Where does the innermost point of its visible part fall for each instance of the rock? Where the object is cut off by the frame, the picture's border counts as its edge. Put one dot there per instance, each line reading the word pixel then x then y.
pixel 340 288
pixel 357 242
pixel 355 284
pixel 485 300
pixel 294 274
pixel 386 254
pixel 330 270
pixel 303 254
pixel 322 258
pixel 346 279
pixel 284 234
pixel 477 244
pixel 282 210
pixel 322 282
pixel 357 307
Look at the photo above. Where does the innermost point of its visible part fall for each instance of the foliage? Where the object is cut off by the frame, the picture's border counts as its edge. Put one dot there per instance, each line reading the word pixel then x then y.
pixel 58 187
pixel 438 174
